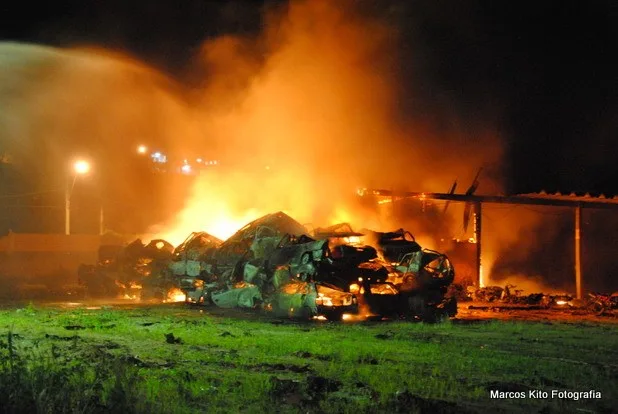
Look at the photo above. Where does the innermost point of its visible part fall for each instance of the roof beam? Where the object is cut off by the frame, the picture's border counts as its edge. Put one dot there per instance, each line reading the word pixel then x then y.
pixel 539 200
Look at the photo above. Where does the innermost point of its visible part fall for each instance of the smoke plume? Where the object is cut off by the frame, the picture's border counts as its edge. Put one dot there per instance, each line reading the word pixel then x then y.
pixel 298 118
pixel 308 112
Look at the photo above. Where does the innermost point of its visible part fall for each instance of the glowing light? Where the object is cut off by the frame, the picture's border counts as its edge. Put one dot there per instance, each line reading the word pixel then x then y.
pixel 81 167
pixel 142 149
pixel 159 157
pixel 186 169
pixel 175 295
pixel 353 239
pixel 561 302
pixel 481 278
pixel 324 300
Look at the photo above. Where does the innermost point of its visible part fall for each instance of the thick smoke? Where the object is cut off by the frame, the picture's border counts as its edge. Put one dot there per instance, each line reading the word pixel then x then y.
pixel 307 113
pixel 59 105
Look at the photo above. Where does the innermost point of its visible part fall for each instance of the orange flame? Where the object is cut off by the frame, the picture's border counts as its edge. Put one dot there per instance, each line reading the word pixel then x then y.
pixel 175 295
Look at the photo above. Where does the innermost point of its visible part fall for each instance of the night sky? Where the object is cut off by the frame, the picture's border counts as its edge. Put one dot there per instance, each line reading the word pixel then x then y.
pixel 544 72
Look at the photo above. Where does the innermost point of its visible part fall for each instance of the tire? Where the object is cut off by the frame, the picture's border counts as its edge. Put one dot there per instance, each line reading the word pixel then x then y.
pixel 334 316
pixel 416 308
pixel 597 308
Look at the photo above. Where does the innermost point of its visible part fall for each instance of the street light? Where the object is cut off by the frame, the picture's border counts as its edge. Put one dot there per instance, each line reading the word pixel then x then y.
pixel 80 167
pixel 141 149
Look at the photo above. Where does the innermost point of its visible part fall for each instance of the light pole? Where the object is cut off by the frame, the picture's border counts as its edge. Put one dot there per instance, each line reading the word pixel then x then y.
pixel 80 167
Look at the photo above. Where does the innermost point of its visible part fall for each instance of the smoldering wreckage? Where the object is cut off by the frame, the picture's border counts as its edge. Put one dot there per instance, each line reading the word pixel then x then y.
pixel 275 264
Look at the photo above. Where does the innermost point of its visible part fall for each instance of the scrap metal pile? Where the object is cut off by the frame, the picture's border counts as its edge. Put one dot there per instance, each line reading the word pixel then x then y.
pixel 497 296
pixel 508 294
pixel 134 271
pixel 273 263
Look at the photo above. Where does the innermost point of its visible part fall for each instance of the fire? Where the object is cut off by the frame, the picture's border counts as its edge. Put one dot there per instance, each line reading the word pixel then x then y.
pixel 175 295
pixel 221 205
pixel 481 277
pixel 204 213
pixel 131 290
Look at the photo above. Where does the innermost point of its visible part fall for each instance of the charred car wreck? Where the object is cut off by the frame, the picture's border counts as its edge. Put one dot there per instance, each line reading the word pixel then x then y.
pixel 136 270
pixel 275 264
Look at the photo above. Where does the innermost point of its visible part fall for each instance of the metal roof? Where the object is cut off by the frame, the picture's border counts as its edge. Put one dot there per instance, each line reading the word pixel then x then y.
pixel 571 196
pixel 542 198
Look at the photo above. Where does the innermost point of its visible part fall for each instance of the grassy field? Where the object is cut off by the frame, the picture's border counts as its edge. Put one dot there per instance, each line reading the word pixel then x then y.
pixel 169 358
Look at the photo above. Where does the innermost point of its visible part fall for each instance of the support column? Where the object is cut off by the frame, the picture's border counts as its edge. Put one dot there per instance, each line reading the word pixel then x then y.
pixel 578 252
pixel 101 220
pixel 67 211
pixel 477 237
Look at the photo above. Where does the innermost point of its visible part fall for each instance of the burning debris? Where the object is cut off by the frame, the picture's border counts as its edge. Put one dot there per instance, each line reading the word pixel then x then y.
pixel 509 298
pixel 273 263
pixel 601 304
pixel 135 271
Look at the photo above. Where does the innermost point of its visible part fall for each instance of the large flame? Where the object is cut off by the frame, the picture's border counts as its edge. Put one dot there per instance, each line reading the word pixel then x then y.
pixel 175 295
pixel 300 130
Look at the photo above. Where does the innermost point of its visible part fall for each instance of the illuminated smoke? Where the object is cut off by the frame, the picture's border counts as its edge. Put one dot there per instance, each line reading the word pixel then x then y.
pixel 59 104
pixel 299 117
pixel 301 129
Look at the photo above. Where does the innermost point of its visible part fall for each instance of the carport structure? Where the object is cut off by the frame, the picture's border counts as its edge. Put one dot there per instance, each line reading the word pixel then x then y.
pixel 475 203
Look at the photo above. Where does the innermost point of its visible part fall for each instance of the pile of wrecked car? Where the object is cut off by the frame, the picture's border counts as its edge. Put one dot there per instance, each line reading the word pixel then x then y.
pixel 275 264
pixel 134 271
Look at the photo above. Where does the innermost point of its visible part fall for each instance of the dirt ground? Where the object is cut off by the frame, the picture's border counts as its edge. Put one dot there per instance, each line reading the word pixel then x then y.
pixel 483 311
pixel 467 311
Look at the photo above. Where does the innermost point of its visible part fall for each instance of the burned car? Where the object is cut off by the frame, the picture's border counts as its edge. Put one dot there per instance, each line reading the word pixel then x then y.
pixel 194 256
pixel 273 263
pixel 134 271
pixel 266 263
pixel 397 277
pixel 393 245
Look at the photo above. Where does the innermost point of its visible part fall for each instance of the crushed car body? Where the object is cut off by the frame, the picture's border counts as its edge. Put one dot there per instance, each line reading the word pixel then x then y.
pixel 273 263
pixel 134 271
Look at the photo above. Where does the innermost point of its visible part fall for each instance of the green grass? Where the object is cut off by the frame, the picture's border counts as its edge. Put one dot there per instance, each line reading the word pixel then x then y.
pixel 121 360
